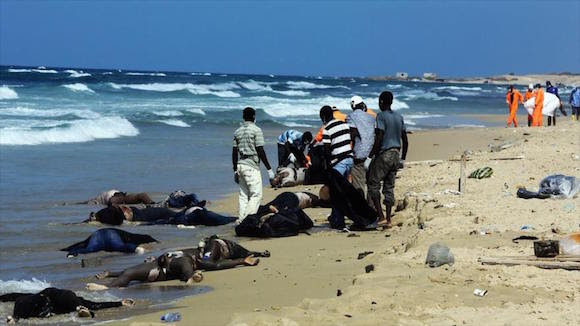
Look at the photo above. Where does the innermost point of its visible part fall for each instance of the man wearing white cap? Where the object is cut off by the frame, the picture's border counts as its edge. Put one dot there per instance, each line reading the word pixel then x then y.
pixel 529 94
pixel 363 137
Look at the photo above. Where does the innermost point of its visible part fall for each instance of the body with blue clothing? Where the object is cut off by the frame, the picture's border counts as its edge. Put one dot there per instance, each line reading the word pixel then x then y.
pixel 111 240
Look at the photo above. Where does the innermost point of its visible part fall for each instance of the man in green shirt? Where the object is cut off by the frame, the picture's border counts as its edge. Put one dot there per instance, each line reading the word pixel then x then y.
pixel 247 152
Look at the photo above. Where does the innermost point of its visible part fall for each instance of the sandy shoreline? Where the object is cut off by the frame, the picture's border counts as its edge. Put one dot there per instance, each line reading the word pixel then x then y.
pixel 298 284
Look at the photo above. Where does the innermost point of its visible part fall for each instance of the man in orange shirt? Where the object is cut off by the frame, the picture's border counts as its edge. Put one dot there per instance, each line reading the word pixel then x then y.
pixel 537 115
pixel 512 97
pixel 529 94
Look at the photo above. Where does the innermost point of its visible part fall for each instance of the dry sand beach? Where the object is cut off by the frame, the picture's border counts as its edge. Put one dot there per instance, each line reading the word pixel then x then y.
pixel 299 284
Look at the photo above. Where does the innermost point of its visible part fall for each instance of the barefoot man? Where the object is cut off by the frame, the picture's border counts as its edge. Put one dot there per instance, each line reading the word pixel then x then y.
pixel 389 131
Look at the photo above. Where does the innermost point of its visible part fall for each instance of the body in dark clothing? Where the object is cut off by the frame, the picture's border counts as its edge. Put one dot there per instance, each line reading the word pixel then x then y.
pixel 109 239
pixel 216 254
pixel 201 216
pixel 52 301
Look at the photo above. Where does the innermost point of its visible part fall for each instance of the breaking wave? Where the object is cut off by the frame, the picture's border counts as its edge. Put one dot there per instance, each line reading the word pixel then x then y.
pixel 75 132
pixel 175 123
pixel 7 93
pixel 155 74
pixel 168 113
pixel 24 286
pixel 419 94
pixel 42 71
pixel 78 87
pixel 77 74
pixel 28 112
pixel 220 90
pixel 309 85
pixel 197 111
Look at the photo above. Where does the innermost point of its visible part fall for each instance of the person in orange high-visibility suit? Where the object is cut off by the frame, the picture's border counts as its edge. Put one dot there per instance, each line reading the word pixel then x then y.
pixel 512 97
pixel 529 94
pixel 537 115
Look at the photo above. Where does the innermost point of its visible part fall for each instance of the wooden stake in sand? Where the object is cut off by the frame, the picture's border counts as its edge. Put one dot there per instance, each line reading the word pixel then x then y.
pixel 462 177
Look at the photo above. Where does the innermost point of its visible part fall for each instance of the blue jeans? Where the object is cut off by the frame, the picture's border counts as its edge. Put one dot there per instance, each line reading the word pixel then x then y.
pixel 104 239
pixel 336 218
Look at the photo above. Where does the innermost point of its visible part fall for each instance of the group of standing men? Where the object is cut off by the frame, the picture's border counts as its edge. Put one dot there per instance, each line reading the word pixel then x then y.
pixel 513 97
pixel 364 146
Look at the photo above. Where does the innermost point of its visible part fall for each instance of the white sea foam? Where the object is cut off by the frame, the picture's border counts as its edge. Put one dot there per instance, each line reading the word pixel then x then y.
pixel 155 74
pixel 170 113
pixel 293 93
pixel 281 107
pixel 399 105
pixel 175 123
pixel 78 87
pixel 364 85
pixel 253 85
pixel 24 286
pixel 107 73
pixel 20 124
pixel 202 91
pixel 7 93
pixel 197 111
pixel 394 86
pixel 419 94
pixel 295 124
pixel 422 116
pixel 75 132
pixel 42 71
pixel 455 88
pixel 309 85
pixel 77 74
pixel 220 90
pixel 28 112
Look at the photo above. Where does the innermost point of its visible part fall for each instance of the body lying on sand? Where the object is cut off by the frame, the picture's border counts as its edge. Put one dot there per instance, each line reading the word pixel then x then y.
pixel 186 265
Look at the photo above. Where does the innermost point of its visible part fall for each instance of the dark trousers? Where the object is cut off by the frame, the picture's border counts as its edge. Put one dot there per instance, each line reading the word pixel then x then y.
pixel 204 217
pixel 383 168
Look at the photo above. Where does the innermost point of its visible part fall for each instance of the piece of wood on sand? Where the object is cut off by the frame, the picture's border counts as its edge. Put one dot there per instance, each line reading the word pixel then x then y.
pixel 559 262
pixel 510 158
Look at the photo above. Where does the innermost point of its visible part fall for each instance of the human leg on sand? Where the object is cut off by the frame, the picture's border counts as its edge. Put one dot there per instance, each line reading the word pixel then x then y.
pixel 383 168
pixel 336 218
pixel 250 190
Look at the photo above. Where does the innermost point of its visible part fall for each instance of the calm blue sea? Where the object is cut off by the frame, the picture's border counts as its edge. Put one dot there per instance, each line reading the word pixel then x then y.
pixel 68 134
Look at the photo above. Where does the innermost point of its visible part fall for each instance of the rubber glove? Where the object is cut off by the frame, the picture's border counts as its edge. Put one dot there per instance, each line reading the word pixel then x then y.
pixel 271 174
pixel 367 163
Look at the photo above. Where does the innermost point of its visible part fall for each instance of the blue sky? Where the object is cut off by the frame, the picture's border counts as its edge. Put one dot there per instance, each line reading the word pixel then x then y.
pixel 459 38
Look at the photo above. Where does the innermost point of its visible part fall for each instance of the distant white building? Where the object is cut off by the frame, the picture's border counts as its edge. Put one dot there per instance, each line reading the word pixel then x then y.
pixel 429 75
pixel 402 75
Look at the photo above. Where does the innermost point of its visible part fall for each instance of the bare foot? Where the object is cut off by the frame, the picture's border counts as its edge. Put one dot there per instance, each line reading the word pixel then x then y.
pixel 251 261
pixel 96 287
pixel 84 312
pixel 128 302
pixel 102 275
pixel 195 278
